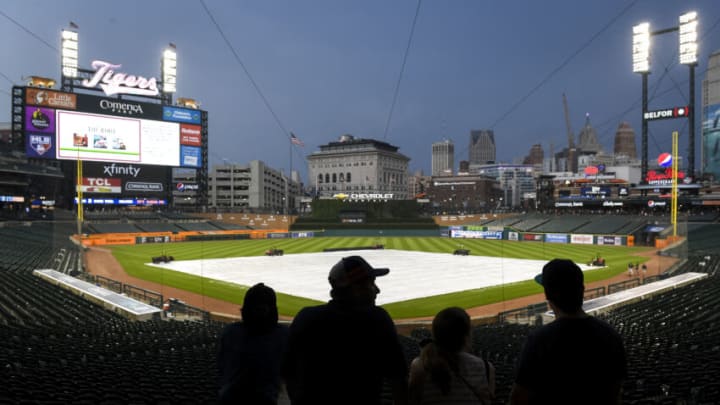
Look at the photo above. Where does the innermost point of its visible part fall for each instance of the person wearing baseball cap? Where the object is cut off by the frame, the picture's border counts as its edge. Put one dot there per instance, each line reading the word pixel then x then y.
pixel 577 358
pixel 340 352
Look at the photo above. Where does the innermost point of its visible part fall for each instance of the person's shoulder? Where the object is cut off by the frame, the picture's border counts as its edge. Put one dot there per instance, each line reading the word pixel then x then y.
pixel 233 328
pixel 311 312
pixel 469 357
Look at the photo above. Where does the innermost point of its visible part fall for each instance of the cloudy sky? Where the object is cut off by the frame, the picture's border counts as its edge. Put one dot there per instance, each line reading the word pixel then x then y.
pixel 323 68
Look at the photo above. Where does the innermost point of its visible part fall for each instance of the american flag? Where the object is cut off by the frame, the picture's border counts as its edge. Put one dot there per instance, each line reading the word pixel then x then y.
pixel 295 140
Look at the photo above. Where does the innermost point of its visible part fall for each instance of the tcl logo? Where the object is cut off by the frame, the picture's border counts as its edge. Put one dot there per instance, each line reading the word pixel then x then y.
pixel 101 181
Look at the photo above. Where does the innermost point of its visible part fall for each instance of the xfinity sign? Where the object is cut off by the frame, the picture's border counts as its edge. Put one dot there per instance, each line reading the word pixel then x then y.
pixel 667 113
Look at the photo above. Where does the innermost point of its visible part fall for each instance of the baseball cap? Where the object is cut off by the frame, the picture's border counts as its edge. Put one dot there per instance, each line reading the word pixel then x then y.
pixel 560 274
pixel 352 269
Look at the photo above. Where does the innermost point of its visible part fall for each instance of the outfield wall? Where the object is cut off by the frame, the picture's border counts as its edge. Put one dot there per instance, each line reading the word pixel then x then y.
pixel 483 232
pixel 133 238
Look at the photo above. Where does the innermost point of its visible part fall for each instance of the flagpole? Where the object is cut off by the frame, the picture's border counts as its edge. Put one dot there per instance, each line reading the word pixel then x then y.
pixel 287 180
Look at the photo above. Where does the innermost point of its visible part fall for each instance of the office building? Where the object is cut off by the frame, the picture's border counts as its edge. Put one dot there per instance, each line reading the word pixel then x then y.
pixel 360 168
pixel 625 142
pixel 710 149
pixel 482 147
pixel 443 155
pixel 255 187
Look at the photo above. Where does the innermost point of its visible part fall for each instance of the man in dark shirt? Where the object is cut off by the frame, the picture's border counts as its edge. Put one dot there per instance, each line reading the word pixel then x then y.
pixel 340 352
pixel 250 352
pixel 576 359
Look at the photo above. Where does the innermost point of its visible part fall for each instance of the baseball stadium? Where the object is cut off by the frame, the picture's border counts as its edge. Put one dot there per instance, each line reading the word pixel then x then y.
pixel 139 321
pixel 122 261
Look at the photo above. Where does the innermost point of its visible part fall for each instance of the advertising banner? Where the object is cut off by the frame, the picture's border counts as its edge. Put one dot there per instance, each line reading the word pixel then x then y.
pixel 513 236
pixel 181 115
pixel 97 137
pixel 190 156
pixel 609 240
pixel 556 238
pixel 190 135
pixel 40 146
pixel 40 119
pixel 476 234
pixel 275 235
pixel 135 180
pixel 152 239
pixel 117 139
pixel 101 185
pixel 711 140
pixel 49 98
pixel 302 234
pixel 122 108
pixel 532 236
pixel 581 239
pixel 186 187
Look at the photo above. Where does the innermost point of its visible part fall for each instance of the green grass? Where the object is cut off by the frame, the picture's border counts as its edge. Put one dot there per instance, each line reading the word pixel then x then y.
pixel 134 257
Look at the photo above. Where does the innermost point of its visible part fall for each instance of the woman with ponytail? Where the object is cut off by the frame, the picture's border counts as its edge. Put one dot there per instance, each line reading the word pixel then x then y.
pixel 445 372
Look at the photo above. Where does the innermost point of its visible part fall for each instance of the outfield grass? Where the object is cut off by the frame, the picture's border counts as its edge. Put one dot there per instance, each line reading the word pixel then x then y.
pixel 134 257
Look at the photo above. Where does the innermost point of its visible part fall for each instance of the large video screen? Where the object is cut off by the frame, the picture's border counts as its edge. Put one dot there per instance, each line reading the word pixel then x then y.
pixel 80 126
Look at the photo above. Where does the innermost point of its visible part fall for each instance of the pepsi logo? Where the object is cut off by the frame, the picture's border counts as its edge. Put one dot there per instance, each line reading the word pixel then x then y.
pixel 665 160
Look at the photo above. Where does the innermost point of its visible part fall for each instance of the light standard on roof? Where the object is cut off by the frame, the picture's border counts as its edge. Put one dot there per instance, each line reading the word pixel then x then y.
pixel 641 64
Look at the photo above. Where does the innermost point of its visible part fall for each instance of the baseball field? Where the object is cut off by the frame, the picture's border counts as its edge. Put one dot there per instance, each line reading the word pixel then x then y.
pixel 225 269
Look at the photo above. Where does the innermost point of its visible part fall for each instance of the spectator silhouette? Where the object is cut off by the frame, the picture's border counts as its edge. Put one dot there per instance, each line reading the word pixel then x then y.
pixel 342 351
pixel 251 351
pixel 445 372
pixel 576 359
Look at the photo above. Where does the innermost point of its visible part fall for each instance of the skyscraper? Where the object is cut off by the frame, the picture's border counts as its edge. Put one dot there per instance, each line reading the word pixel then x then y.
pixel 536 155
pixel 588 138
pixel 482 146
pixel 625 141
pixel 711 118
pixel 443 155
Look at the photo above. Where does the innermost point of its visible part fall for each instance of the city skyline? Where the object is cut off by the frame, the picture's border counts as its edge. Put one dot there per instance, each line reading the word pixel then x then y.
pixel 326 68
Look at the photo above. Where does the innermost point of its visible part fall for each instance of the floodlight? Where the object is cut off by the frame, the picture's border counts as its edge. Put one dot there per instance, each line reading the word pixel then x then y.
pixel 169 70
pixel 688 38
pixel 641 48
pixel 69 53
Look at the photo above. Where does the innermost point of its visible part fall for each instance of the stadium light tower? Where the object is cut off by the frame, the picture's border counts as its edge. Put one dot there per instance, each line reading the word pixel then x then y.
pixel 688 56
pixel 641 64
pixel 169 72
pixel 69 57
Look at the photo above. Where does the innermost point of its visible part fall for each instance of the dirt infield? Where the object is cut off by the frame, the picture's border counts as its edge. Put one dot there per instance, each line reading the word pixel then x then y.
pixel 101 262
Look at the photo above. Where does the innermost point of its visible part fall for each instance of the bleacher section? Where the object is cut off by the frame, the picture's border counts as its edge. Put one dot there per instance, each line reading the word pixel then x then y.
pixel 112 228
pixel 158 227
pixel 529 222
pixel 228 226
pixel 605 225
pixel 197 226
pixel 565 224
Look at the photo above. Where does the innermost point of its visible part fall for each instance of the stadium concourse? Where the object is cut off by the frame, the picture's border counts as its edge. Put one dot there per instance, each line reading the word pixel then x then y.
pixel 412 274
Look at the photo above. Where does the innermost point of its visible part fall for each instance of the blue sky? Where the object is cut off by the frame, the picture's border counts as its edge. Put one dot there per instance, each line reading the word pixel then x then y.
pixel 330 67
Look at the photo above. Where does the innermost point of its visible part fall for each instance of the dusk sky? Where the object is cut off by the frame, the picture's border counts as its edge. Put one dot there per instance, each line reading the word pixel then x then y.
pixel 331 67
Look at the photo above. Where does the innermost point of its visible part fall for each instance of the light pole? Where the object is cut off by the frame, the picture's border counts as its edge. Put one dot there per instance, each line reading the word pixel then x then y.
pixel 687 29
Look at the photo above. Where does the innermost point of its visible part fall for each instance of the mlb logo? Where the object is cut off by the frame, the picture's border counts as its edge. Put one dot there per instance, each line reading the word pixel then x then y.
pixel 40 143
